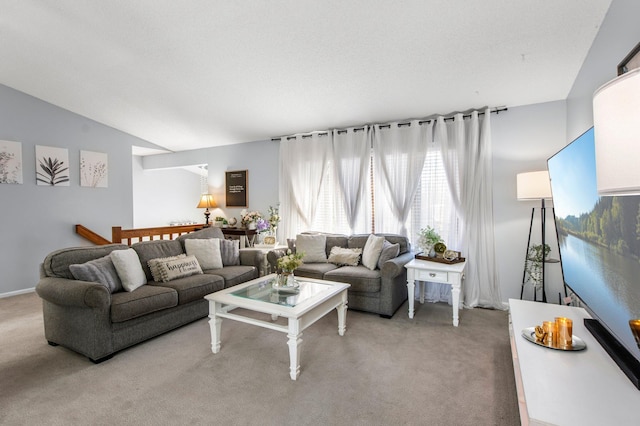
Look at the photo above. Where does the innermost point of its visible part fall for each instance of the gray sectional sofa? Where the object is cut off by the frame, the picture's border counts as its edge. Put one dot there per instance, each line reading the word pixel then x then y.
pixel 381 290
pixel 97 321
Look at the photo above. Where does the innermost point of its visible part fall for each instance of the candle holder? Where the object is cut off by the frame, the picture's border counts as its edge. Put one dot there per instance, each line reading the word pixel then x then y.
pixel 551 334
pixel 564 329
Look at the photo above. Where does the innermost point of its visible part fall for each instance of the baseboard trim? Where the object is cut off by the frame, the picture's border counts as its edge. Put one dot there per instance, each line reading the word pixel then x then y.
pixel 17 292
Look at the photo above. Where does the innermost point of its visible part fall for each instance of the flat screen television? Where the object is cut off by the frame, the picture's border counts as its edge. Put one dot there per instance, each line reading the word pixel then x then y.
pixel 599 241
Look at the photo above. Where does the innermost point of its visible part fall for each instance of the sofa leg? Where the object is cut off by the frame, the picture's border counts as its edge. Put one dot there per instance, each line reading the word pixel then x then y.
pixel 385 316
pixel 52 343
pixel 104 358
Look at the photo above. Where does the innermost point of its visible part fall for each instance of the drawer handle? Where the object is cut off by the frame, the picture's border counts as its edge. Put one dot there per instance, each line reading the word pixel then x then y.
pixel 431 274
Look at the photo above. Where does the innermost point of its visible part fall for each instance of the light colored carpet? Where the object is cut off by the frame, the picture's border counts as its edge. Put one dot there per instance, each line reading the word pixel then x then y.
pixel 381 372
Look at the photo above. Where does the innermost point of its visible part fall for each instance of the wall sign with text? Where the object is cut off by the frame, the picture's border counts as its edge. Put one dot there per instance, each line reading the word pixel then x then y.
pixel 236 188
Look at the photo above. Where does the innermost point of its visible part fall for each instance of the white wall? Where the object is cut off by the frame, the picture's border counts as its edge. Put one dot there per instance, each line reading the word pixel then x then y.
pixel 523 139
pixel 35 220
pixel 260 158
pixel 163 196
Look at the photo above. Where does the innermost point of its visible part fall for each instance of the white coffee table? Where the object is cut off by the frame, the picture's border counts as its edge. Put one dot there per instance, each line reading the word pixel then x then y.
pixel 314 299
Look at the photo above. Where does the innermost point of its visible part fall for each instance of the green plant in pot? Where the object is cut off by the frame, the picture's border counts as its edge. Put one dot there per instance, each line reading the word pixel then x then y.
pixel 428 238
pixel 533 265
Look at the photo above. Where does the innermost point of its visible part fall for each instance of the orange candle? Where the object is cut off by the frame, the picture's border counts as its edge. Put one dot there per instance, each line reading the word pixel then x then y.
pixel 564 327
pixel 549 327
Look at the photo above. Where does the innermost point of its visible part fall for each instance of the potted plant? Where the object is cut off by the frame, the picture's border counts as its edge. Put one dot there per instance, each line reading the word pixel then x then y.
pixel 533 264
pixel 219 221
pixel 428 238
pixel 288 263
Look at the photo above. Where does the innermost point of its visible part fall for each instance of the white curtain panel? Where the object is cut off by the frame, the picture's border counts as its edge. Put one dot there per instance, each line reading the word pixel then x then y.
pixel 466 150
pixel 351 155
pixel 303 161
pixel 399 154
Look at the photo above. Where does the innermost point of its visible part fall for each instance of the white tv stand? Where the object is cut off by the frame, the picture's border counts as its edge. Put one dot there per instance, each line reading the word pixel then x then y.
pixel 567 388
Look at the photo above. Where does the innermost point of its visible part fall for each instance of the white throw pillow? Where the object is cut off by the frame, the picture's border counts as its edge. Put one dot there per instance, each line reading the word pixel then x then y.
pixel 372 250
pixel 344 256
pixel 129 269
pixel 206 250
pixel 178 268
pixel 313 247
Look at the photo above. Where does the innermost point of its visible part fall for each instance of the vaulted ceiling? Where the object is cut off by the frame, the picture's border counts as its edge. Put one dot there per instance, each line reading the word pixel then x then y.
pixel 202 73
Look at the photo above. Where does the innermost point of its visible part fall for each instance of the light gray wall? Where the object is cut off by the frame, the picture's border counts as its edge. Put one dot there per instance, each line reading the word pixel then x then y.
pixel 618 34
pixel 260 158
pixel 36 220
pixel 523 139
pixel 163 196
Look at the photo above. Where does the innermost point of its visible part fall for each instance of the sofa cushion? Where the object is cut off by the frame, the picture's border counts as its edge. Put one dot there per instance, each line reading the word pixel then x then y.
pixel 345 256
pixel 371 251
pixel 99 270
pixel 230 252
pixel 129 269
pixel 153 265
pixel 389 251
pixel 313 247
pixel 56 264
pixel 192 288
pixel 179 268
pixel 207 251
pixel 146 299
pixel 148 250
pixel 234 275
pixel 361 278
pixel 314 270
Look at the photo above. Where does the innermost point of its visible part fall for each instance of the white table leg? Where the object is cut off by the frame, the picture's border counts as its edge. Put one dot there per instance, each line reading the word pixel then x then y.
pixel 411 285
pixel 342 314
pixel 455 299
pixel 295 348
pixel 215 324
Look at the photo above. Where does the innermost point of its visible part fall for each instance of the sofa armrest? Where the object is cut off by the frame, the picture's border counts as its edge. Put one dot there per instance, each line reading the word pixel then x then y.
pixel 66 292
pixel 251 258
pixel 273 256
pixel 394 267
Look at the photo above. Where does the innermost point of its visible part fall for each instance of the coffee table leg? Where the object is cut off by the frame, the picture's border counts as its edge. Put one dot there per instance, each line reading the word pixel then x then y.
pixel 342 314
pixel 410 291
pixel 214 324
pixel 295 348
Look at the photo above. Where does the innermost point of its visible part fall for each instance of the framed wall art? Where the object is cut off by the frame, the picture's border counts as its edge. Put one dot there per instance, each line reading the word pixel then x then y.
pixel 52 166
pixel 236 188
pixel 94 169
pixel 10 162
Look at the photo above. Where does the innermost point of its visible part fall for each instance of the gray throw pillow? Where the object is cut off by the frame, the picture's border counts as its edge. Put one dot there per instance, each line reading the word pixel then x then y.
pixel 99 270
pixel 230 252
pixel 389 251
pixel 313 248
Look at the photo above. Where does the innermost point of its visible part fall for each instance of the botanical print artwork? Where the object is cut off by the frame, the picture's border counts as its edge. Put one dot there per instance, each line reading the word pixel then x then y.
pixel 52 166
pixel 10 162
pixel 93 169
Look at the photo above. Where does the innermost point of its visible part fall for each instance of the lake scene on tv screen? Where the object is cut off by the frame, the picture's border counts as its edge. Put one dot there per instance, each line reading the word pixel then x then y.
pixel 598 239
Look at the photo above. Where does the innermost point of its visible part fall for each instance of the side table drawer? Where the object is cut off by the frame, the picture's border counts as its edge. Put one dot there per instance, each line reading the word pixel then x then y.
pixel 435 276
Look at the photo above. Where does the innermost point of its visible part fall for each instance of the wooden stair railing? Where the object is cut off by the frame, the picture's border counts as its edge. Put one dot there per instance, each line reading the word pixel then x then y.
pixel 88 234
pixel 119 235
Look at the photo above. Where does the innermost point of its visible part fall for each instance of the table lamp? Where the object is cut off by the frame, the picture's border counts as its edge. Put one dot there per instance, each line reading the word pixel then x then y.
pixel 206 202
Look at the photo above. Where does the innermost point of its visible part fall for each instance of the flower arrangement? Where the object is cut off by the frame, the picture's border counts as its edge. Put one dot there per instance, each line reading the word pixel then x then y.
pixel 249 217
pixel 262 225
pixel 290 261
pixel 274 217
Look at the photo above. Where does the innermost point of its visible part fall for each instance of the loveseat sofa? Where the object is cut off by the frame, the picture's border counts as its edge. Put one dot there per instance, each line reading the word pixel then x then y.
pixel 380 287
pixel 96 317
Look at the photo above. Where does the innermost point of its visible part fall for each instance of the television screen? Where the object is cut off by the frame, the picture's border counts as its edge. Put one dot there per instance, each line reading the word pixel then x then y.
pixel 598 239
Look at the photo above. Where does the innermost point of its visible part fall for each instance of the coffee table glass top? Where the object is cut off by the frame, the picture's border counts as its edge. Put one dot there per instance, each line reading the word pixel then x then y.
pixel 265 292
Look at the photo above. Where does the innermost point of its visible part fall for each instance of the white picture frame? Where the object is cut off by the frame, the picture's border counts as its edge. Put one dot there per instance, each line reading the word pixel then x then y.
pixel 11 162
pixel 94 169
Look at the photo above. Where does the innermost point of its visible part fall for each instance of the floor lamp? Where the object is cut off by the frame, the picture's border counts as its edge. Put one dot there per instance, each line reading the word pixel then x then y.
pixel 534 186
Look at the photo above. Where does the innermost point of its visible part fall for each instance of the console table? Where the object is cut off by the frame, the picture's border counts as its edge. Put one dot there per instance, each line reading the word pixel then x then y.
pixel 423 270
pixel 567 388
pixel 246 235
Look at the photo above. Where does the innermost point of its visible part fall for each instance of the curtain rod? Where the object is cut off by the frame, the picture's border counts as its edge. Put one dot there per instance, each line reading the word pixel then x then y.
pixel 497 110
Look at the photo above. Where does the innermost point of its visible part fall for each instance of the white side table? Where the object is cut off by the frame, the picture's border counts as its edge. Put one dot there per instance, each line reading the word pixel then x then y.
pixel 423 270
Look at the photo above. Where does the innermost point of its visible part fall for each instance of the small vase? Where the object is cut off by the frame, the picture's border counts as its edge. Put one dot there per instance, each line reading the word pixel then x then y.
pixel 291 281
pixel 251 226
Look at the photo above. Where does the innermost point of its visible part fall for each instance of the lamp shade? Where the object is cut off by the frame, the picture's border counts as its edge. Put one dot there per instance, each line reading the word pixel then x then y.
pixel 533 185
pixel 616 125
pixel 207 201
